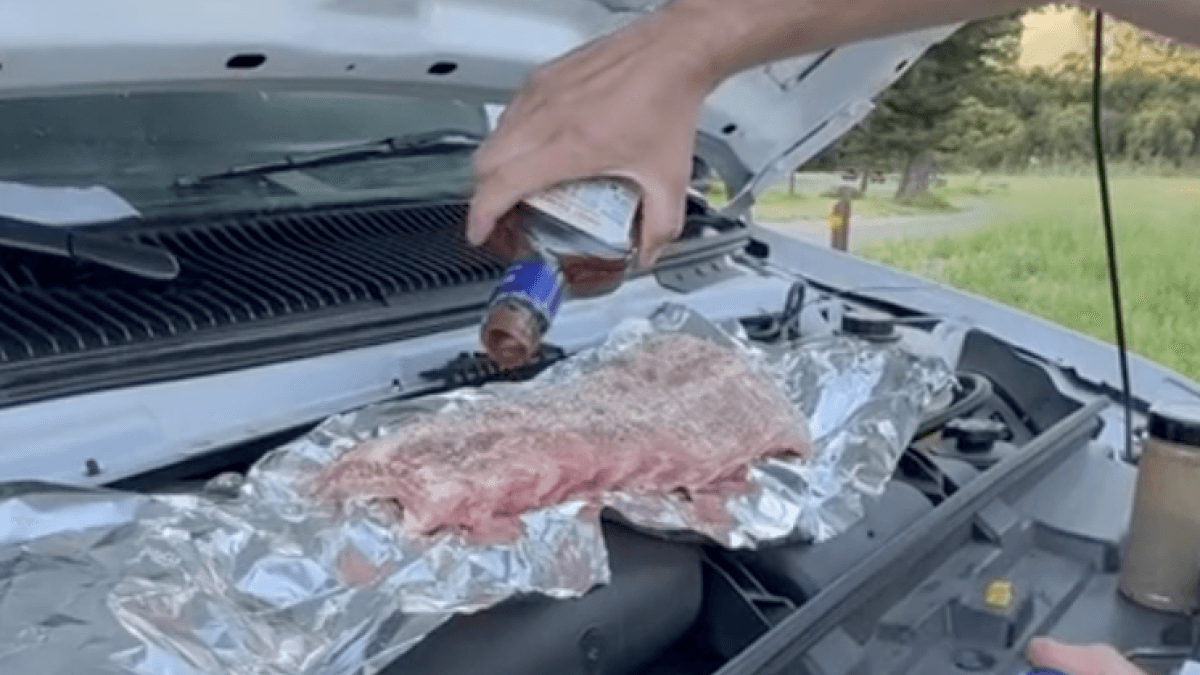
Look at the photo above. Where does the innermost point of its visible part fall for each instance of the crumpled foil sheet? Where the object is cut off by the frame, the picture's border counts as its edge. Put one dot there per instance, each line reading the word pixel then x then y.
pixel 247 577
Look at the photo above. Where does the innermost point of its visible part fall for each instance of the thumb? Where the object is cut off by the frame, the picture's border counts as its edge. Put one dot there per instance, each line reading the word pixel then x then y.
pixel 662 221
pixel 493 198
pixel 1079 660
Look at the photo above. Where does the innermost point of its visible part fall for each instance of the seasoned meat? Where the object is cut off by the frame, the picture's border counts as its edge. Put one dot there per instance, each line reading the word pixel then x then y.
pixel 676 415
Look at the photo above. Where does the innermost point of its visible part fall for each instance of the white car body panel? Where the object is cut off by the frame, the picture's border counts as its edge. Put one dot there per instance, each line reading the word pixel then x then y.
pixel 757 125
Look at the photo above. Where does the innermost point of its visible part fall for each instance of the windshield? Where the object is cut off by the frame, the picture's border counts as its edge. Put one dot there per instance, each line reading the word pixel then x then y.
pixel 138 144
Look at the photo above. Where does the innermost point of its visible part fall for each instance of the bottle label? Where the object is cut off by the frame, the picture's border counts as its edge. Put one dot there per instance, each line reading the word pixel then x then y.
pixel 536 282
pixel 602 207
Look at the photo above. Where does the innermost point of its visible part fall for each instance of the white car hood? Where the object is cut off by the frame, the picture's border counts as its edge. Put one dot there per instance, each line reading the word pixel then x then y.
pixel 754 128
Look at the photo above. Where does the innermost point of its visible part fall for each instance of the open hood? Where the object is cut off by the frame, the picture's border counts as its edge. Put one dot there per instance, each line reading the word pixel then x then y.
pixel 755 128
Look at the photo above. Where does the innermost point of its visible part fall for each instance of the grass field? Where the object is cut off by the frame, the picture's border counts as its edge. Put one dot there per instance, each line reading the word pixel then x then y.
pixel 777 206
pixel 1045 255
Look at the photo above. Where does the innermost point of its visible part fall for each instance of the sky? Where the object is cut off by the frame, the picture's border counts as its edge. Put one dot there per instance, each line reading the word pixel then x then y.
pixel 1050 35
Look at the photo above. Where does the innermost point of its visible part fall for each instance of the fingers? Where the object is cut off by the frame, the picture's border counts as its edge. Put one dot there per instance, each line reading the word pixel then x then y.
pixel 603 109
pixel 510 139
pixel 504 242
pixel 662 220
pixel 1079 660
pixel 499 191
pixel 518 130
pixel 501 179
pixel 492 200
pixel 662 204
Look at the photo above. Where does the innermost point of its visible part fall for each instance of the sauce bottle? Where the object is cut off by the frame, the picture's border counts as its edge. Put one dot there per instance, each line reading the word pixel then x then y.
pixel 1161 563
pixel 577 238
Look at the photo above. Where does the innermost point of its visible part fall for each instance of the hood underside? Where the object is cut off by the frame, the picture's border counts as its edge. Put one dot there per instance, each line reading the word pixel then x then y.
pixel 755 127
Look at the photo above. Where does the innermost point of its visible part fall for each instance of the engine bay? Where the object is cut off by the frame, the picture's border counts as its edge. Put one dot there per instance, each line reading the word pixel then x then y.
pixel 983 499
pixel 989 532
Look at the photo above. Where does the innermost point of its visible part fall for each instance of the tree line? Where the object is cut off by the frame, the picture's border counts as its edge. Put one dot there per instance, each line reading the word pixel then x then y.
pixel 966 106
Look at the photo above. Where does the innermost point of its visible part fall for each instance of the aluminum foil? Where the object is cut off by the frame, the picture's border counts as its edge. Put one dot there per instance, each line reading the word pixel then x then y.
pixel 248 577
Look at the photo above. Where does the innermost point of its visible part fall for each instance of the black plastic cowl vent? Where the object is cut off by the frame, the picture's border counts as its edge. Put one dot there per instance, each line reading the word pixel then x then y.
pixel 257 289
pixel 238 272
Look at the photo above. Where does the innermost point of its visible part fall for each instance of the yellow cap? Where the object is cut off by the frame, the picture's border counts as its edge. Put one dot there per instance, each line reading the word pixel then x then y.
pixel 998 595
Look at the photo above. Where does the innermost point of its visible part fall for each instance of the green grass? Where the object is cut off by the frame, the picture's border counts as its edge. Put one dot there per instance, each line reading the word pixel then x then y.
pixel 1045 255
pixel 776 205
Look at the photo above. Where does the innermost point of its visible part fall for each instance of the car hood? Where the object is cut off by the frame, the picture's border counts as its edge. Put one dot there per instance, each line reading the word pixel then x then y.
pixel 754 128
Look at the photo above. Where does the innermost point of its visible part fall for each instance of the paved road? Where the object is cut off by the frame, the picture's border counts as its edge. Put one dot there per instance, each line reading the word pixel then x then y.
pixel 868 231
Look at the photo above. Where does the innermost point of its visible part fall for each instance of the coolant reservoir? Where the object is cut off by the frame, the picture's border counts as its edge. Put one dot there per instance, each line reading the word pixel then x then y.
pixel 1161 565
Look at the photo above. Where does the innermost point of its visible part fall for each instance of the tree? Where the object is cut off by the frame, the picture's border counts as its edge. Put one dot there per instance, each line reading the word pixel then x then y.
pixel 966 105
pixel 1063 133
pixel 913 119
pixel 860 150
pixel 988 137
pixel 1162 130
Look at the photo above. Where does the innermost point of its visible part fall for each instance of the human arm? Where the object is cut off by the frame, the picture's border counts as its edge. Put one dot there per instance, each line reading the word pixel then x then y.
pixel 627 104
pixel 746 33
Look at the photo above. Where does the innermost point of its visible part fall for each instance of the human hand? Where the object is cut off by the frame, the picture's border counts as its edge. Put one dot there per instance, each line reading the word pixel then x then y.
pixel 1079 660
pixel 623 106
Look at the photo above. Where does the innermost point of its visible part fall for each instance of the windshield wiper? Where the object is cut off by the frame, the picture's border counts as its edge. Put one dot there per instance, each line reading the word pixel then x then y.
pixel 396 146
pixel 106 251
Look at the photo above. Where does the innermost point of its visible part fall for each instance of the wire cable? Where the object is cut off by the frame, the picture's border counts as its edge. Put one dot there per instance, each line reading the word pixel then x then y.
pixel 1109 238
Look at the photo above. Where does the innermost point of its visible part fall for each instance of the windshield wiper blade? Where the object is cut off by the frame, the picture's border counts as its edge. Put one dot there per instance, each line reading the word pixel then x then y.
pixel 106 251
pixel 395 146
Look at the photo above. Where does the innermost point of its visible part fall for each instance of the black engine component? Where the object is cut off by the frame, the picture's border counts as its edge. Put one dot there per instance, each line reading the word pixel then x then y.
pixel 737 607
pixel 974 434
pixel 653 598
pixel 781 327
pixel 978 441
pixel 871 326
pixel 799 571
pixel 474 370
